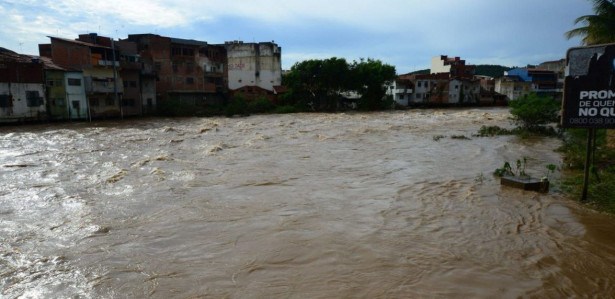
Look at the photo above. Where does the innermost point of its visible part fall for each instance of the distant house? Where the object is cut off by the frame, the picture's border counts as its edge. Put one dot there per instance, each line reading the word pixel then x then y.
pixel 464 91
pixel 401 91
pixel 512 87
pixel 519 82
pixel 22 88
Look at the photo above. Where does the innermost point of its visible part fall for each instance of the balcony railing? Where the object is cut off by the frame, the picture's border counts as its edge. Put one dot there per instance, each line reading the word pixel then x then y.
pixel 103 85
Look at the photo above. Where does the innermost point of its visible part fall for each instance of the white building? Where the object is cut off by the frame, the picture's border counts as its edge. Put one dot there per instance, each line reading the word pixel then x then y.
pixel 463 91
pixel 75 95
pixel 20 101
pixel 401 90
pixel 254 64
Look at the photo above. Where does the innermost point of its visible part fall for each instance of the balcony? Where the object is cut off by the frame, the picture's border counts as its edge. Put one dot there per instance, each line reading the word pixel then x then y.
pixel 108 63
pixel 102 85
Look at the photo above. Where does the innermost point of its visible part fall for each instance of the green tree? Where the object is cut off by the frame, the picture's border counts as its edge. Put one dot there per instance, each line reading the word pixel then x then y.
pixel 368 78
pixel 321 82
pixel 598 28
pixel 318 82
pixel 532 111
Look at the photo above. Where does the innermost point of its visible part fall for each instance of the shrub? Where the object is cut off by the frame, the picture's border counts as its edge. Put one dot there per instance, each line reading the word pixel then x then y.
pixel 532 111
pixel 237 106
pixel 261 105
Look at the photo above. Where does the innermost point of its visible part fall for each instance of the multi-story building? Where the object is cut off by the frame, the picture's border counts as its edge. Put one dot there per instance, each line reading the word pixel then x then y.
pixel 464 91
pixel 401 91
pixel 428 88
pixel 454 66
pixel 190 72
pixel 254 67
pixel 22 89
pixel 96 57
pixel 512 87
pixel 519 82
pixel 130 71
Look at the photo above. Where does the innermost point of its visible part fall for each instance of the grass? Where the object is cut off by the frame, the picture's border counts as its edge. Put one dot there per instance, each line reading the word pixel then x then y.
pixel 601 189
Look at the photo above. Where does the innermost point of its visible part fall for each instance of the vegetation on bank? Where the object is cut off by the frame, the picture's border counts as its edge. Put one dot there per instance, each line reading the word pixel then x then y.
pixel 601 190
pixel 535 116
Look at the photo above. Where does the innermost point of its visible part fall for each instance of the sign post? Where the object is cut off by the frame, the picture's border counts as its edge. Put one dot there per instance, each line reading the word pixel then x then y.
pixel 589 95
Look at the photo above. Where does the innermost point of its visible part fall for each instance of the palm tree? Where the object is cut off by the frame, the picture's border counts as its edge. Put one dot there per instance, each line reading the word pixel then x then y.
pixel 598 28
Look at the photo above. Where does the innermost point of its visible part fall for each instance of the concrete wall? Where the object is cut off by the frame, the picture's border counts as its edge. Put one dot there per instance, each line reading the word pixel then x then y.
pixel 438 66
pixel 76 99
pixel 20 108
pixel 254 64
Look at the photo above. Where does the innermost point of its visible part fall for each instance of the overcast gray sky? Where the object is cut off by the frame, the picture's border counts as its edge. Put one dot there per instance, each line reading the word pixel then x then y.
pixel 403 33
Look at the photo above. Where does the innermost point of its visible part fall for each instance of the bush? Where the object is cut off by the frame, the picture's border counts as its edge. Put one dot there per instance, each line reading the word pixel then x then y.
pixel 532 111
pixel 261 105
pixel 237 106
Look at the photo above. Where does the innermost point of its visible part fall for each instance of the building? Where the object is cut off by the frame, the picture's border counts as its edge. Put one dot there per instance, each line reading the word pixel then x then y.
pixel 464 91
pixel 98 60
pixel 454 66
pixel 401 91
pixel 540 81
pixel 257 65
pixel 187 72
pixel 428 88
pixel 22 88
pixel 512 87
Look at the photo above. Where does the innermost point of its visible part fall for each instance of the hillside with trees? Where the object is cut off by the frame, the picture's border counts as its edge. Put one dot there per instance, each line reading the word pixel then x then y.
pixel 491 70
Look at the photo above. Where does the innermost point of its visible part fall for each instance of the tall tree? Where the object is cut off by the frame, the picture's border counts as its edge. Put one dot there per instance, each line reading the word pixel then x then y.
pixel 598 28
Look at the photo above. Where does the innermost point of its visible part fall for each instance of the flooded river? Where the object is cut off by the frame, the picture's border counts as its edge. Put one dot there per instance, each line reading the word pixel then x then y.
pixel 380 205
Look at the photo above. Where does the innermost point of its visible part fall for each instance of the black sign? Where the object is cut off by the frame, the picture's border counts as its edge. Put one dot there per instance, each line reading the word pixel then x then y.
pixel 589 87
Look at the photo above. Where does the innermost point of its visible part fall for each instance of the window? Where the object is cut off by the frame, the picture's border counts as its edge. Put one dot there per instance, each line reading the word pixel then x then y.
pixel 33 99
pixel 190 66
pixel 132 84
pixel 5 101
pixel 74 82
pixel 110 101
pixel 175 66
pixel 59 102
pixel 125 83
pixel 54 83
pixel 401 96
pixel 418 84
pixel 176 51
pixel 158 65
pixel 189 80
pixel 150 102
pixel 94 102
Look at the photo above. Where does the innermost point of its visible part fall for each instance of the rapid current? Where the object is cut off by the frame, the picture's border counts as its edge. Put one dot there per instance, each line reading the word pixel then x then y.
pixel 378 205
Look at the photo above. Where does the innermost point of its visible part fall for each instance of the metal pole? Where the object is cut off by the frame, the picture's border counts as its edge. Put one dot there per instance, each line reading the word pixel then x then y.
pixel 591 133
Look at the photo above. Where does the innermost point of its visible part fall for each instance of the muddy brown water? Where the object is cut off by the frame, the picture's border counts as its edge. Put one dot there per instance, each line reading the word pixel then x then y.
pixel 290 206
